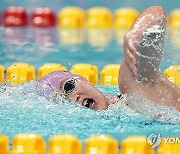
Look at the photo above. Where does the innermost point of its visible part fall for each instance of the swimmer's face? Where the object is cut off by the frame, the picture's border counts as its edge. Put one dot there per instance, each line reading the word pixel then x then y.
pixel 83 92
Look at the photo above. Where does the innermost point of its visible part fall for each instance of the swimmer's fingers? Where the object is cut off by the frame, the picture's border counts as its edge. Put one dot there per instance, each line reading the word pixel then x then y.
pixel 131 62
pixel 129 55
pixel 132 67
pixel 130 43
pixel 133 49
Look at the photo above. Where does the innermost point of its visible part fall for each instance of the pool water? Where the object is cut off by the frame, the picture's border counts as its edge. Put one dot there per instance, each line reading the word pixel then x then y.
pixel 36 47
pixel 22 110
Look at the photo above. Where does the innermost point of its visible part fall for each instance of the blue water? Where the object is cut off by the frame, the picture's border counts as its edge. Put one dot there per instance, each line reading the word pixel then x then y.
pixel 30 46
pixel 22 110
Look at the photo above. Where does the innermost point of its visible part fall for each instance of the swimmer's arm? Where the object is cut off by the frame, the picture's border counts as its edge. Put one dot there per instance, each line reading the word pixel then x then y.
pixel 151 16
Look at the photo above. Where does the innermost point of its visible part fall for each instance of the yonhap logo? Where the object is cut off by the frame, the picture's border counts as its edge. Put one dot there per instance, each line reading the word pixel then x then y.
pixel 154 139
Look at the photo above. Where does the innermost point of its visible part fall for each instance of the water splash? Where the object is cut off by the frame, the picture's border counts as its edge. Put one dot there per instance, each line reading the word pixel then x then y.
pixel 22 110
pixel 149 109
pixel 150 52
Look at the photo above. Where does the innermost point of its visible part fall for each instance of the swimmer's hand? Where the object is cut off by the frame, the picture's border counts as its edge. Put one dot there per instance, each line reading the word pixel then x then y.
pixel 154 15
pixel 130 52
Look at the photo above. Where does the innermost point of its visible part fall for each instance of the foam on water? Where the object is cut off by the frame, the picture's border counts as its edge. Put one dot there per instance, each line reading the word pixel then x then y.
pixel 22 110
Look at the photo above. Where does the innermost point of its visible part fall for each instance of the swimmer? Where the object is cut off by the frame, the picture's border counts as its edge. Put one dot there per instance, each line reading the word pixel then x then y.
pixel 139 72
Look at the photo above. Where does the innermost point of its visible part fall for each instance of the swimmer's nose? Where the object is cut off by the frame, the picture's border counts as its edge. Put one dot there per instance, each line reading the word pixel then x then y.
pixel 78 98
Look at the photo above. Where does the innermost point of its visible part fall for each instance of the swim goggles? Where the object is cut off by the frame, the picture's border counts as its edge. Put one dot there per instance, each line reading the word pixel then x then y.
pixel 69 85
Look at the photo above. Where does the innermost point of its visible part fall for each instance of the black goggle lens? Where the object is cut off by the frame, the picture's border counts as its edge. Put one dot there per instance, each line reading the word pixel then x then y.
pixel 69 86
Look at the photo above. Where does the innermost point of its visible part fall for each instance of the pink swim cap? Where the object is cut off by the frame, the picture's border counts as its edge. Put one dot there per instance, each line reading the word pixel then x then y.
pixel 48 84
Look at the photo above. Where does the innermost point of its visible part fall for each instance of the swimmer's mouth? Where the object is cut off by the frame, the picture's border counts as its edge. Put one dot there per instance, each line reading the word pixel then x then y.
pixel 89 103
